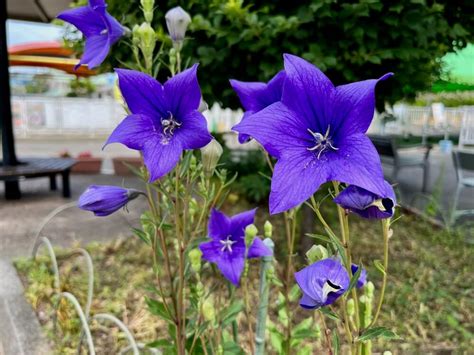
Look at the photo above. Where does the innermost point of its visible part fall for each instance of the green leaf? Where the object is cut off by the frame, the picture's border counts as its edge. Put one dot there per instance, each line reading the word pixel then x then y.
pixel 377 332
pixel 336 344
pixel 379 266
pixel 328 313
pixel 157 308
pixel 231 312
pixel 232 348
pixel 142 235
pixel 304 329
pixel 319 236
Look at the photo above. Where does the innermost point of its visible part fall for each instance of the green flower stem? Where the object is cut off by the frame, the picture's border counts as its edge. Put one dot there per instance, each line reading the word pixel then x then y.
pixel 235 328
pixel 386 236
pixel 327 332
pixel 266 264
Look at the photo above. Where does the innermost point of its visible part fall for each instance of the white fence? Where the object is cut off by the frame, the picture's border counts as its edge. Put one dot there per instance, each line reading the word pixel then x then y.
pixel 37 115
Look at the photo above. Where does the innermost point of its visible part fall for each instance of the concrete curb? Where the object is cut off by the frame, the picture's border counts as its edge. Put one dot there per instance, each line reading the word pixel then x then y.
pixel 20 331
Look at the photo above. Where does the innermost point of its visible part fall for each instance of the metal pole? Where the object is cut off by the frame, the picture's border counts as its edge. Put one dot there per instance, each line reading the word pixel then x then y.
pixel 12 190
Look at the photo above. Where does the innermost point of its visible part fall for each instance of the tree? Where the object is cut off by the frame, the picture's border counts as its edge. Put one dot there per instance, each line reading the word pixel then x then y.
pixel 349 40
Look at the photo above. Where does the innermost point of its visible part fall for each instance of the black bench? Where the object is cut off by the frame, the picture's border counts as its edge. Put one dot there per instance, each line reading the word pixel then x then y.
pixel 390 155
pixel 39 167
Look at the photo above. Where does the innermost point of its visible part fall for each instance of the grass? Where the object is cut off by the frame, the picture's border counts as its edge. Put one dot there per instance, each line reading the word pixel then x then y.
pixel 429 299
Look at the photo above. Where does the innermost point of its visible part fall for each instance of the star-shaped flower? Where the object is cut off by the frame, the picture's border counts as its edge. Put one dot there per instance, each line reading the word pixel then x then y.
pixel 104 200
pixel 317 133
pixel 367 204
pixel 99 28
pixel 227 245
pixel 322 283
pixel 255 96
pixel 165 119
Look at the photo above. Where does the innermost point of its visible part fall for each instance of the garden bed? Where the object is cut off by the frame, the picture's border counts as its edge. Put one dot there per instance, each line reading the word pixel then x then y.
pixel 428 302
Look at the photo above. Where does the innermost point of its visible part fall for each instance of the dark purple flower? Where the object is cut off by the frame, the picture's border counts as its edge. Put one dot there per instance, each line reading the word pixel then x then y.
pixel 362 277
pixel 317 133
pixel 322 283
pixel 227 245
pixel 255 96
pixel 99 28
pixel 165 119
pixel 104 200
pixel 367 204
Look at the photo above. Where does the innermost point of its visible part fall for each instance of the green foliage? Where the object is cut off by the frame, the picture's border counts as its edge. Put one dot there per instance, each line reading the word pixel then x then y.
pixel 377 332
pixel 348 40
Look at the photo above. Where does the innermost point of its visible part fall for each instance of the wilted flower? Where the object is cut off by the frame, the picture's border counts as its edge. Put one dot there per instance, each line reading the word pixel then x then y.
pixel 362 277
pixel 227 245
pixel 322 283
pixel 255 96
pixel 210 154
pixel 164 120
pixel 317 132
pixel 99 28
pixel 104 200
pixel 177 21
pixel 367 204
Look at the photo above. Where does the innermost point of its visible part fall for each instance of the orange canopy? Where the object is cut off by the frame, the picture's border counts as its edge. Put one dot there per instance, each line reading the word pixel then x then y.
pixel 46 54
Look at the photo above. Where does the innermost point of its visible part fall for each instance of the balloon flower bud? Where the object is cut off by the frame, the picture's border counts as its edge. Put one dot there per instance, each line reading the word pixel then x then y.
pixel 148 7
pixel 316 253
pixel 147 38
pixel 195 259
pixel 208 310
pixel 268 229
pixel 210 155
pixel 250 233
pixel 177 21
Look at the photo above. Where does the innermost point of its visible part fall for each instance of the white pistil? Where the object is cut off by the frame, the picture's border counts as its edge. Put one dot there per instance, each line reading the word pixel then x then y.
pixel 169 125
pixel 327 288
pixel 323 143
pixel 227 244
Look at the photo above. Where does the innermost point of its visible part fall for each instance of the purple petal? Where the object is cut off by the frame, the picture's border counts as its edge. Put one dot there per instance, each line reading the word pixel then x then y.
pixel 361 201
pixel 258 249
pixel 276 128
pixel 244 138
pixel 211 250
pixel 160 158
pixel 97 3
pixel 355 104
pixel 296 177
pixel 357 163
pixel 231 265
pixel 308 92
pixel 133 132
pixel 85 19
pixel 182 92
pixel 95 51
pixel 143 94
pixel 115 29
pixel 309 303
pixel 239 221
pixel 193 134
pixel 362 277
pixel 219 225
pixel 103 200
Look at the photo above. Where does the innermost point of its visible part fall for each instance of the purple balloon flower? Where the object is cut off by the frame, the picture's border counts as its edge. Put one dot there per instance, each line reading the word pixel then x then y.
pixel 255 96
pixel 322 283
pixel 99 28
pixel 362 277
pixel 104 200
pixel 317 133
pixel 165 119
pixel 367 204
pixel 227 245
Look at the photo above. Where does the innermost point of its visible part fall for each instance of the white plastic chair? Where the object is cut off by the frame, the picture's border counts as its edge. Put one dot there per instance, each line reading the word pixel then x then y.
pixel 464 165
pixel 466 135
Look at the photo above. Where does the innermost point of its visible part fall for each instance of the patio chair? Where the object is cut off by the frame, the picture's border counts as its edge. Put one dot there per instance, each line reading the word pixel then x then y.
pixel 390 155
pixel 464 164
pixel 466 134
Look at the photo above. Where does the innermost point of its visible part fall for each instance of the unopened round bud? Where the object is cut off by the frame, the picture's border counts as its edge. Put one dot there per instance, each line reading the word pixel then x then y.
pixel 177 21
pixel 250 233
pixel 148 7
pixel 195 259
pixel 268 229
pixel 208 310
pixel 210 155
pixel 316 253
pixel 193 207
pixel 369 289
pixel 147 37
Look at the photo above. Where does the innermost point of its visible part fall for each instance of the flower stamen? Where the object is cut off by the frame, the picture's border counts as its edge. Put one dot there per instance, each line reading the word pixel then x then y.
pixel 329 287
pixel 227 244
pixel 323 143
pixel 169 125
